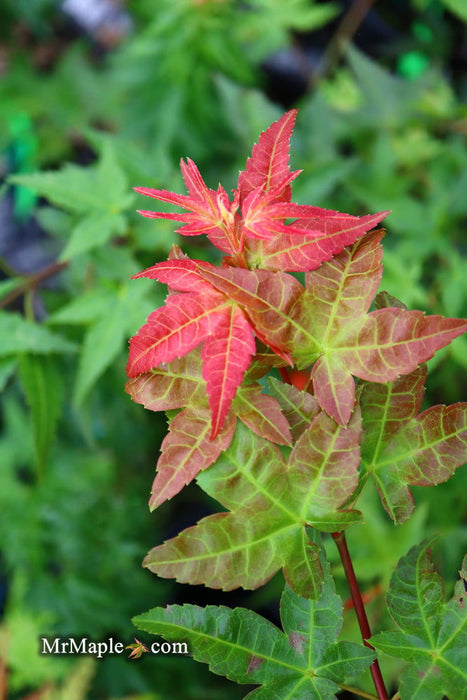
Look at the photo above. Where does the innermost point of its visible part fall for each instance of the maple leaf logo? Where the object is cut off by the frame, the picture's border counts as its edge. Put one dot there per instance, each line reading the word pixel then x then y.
pixel 138 649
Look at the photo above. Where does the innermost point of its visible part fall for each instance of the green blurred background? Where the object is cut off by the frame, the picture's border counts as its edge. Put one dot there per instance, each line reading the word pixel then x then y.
pixel 98 96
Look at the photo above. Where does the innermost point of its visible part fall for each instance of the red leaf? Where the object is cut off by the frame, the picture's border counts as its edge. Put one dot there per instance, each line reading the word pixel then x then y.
pixel 186 450
pixel 175 329
pixel 210 212
pixel 269 162
pixel 296 251
pixel 200 314
pixel 180 275
pixel 226 356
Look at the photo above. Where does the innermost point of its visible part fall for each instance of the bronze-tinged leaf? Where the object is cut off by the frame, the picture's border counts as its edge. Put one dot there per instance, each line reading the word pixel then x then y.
pixel 173 385
pixel 267 298
pixel 262 414
pixel 343 340
pixel 186 450
pixel 323 465
pixel 271 504
pixel 298 407
pixel 172 331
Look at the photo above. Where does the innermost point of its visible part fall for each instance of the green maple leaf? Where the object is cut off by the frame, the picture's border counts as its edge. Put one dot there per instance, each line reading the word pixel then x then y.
pixel 272 504
pixel 401 447
pixel 431 634
pixel 303 661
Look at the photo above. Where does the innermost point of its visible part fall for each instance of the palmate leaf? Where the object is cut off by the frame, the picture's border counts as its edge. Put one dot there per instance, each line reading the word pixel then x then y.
pixel 272 502
pixel 199 314
pixel 304 661
pixel 188 447
pixel 431 634
pixel 334 331
pixel 401 448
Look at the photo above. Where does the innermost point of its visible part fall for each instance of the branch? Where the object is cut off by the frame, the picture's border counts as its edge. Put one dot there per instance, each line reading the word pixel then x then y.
pixel 338 43
pixel 339 539
pixel 31 282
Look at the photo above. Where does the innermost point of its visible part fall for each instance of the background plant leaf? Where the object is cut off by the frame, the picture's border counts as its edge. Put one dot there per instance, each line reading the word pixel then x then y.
pixel 41 381
pixel 431 634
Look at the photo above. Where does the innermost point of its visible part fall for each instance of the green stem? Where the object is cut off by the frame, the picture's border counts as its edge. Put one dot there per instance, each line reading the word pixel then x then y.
pixel 339 539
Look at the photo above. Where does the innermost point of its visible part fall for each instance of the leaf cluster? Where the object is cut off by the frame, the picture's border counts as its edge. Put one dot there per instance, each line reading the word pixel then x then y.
pixel 252 315
pixel 366 140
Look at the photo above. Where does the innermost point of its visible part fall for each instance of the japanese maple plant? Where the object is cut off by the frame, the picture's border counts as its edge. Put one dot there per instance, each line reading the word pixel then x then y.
pixel 287 396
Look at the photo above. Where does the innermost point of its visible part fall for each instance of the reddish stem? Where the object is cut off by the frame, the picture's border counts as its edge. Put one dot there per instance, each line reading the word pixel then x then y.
pixel 367 596
pixel 339 539
pixel 285 375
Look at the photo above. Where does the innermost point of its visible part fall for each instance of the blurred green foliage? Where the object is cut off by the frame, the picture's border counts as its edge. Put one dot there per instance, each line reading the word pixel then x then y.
pixel 78 129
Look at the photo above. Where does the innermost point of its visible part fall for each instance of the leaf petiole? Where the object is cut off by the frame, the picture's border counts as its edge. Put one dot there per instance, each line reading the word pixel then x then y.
pixel 341 543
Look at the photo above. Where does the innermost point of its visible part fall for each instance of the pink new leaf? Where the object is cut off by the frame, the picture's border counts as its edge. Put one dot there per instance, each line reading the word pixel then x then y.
pixel 269 162
pixel 200 314
pixel 308 242
pixel 180 274
pixel 175 329
pixel 210 212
